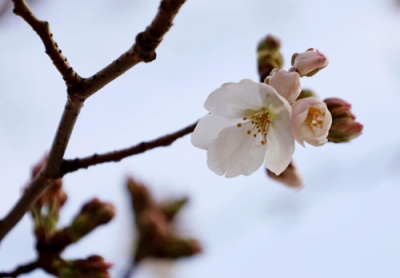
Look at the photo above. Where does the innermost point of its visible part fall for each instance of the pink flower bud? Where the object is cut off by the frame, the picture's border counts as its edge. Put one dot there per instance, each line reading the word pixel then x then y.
pixel 344 127
pixel 311 121
pixel 335 102
pixel 344 130
pixel 287 84
pixel 309 63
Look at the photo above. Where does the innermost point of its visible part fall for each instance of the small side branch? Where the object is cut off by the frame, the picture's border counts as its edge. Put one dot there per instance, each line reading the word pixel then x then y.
pixel 21 270
pixel 43 30
pixel 73 165
pixel 144 49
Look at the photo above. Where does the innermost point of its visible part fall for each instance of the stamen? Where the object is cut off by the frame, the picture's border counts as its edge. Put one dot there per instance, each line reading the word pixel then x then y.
pixel 260 121
pixel 315 118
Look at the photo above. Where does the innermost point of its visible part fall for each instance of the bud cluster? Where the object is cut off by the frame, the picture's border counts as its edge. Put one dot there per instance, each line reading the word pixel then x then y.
pixel 314 121
pixel 51 241
pixel 156 235
pixel 344 126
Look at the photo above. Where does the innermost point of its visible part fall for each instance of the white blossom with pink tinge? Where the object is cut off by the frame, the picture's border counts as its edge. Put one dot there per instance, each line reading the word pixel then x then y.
pixel 249 123
pixel 311 121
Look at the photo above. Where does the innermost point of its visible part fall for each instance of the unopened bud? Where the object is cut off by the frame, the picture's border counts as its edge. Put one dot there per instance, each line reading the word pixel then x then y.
pixel 170 209
pixel 92 267
pixel 309 63
pixel 268 56
pixel 178 248
pixel 141 199
pixel 344 127
pixel 335 102
pixel 305 94
pixel 269 43
pixel 339 108
pixel 344 130
pixel 92 215
pixel 290 177
pixel 46 209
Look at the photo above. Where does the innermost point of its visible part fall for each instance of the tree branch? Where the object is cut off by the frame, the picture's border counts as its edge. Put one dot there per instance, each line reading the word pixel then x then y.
pixel 43 30
pixel 73 165
pixel 21 270
pixel 142 51
pixel 79 90
pixel 51 169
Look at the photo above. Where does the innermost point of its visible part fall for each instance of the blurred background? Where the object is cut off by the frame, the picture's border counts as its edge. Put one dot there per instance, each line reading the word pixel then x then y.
pixel 344 222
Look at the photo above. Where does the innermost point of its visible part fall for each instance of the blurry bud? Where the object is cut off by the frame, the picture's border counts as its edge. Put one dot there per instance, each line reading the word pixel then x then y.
pixel 170 209
pixel 141 199
pixel 178 248
pixel 335 102
pixel 268 56
pixel 305 94
pixel 311 121
pixel 156 237
pixel 339 108
pixel 309 63
pixel 290 177
pixel 344 127
pixel 153 223
pixel 269 43
pixel 92 215
pixel 158 240
pixel 287 84
pixel 344 130
pixel 46 210
pixel 153 230
pixel 92 267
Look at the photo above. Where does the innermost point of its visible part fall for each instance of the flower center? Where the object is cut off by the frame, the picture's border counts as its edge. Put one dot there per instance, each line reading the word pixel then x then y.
pixel 260 121
pixel 315 118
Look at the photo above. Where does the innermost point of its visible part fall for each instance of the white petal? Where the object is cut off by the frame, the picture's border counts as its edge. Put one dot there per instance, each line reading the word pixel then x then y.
pixel 272 100
pixel 235 152
pixel 208 129
pixel 233 99
pixel 280 143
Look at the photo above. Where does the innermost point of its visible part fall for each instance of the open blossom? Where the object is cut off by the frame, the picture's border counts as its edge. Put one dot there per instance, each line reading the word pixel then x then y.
pixel 311 121
pixel 249 123
pixel 310 62
pixel 287 84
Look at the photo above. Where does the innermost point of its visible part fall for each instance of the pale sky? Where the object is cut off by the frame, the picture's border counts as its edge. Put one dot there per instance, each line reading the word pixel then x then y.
pixel 343 223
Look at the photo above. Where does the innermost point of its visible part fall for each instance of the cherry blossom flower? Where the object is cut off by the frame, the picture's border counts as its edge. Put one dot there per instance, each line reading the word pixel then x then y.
pixel 249 123
pixel 287 84
pixel 311 121
pixel 309 63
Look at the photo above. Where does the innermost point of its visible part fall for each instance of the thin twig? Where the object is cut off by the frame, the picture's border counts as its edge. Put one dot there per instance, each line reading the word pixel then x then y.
pixel 43 30
pixel 21 270
pixel 79 90
pixel 73 165
pixel 142 51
